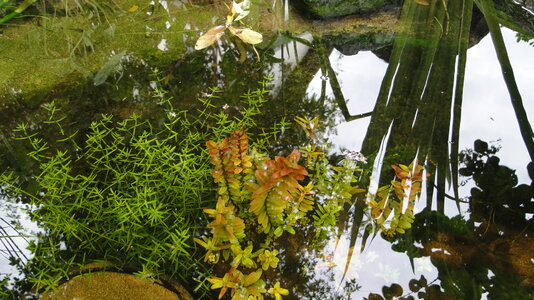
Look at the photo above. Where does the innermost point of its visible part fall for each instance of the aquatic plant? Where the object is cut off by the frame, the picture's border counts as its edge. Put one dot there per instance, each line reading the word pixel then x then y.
pixel 259 199
pixel 125 191
pixel 15 9
pixel 390 199
pixel 267 194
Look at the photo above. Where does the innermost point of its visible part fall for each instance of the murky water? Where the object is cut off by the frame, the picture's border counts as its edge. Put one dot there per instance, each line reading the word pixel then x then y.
pixel 429 92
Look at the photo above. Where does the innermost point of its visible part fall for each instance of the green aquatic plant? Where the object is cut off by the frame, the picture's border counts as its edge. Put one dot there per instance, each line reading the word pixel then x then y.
pixel 270 198
pixel 126 191
pixel 15 9
pixel 399 198
pixel 256 196
pixel 490 15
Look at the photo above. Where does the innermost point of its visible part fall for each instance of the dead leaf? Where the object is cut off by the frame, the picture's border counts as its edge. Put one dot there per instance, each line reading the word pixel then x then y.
pixel 248 36
pixel 210 37
pixel 134 8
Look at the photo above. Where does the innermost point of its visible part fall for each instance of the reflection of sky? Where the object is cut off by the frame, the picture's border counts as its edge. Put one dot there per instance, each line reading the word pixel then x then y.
pixel 487 114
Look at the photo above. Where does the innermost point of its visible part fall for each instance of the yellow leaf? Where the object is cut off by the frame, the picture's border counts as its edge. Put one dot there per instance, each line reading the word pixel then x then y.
pixel 210 37
pixel 248 36
pixel 134 8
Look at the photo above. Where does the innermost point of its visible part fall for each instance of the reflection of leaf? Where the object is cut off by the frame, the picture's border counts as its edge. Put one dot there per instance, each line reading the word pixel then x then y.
pixel 248 36
pixel 108 68
pixel 210 37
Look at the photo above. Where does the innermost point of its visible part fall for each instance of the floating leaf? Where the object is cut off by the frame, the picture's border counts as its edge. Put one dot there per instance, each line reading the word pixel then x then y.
pixel 248 36
pixel 210 37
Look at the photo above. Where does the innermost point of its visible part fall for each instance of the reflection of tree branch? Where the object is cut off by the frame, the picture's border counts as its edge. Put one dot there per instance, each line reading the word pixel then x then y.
pixel 486 6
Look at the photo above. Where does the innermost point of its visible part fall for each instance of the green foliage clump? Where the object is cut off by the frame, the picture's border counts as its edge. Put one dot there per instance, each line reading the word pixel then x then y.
pixel 125 191
pixel 259 199
pixel 398 198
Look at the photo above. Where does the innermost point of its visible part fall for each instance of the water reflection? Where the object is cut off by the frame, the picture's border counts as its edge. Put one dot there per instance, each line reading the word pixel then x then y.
pixel 417 114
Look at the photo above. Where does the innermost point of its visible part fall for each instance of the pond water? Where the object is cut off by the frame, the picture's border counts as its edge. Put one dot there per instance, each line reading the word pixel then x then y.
pixel 405 82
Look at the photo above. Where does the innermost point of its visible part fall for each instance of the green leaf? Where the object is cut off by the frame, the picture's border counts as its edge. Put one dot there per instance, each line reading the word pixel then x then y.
pixel 252 278
pixel 290 230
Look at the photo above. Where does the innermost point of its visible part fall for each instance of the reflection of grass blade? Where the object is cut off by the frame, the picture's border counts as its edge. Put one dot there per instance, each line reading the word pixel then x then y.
pixel 381 120
pixel 359 208
pixel 438 95
pixel 431 169
pixel 458 93
pixel 366 234
pixel 421 96
pixel 340 225
pixel 11 248
pixel 486 6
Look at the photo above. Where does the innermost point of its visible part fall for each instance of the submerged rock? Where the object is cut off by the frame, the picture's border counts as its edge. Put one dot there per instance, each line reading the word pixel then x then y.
pixel 349 43
pixel 338 8
pixel 111 285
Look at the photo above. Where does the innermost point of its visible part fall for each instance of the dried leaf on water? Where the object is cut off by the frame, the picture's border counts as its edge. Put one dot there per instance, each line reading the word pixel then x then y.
pixel 248 36
pixel 210 37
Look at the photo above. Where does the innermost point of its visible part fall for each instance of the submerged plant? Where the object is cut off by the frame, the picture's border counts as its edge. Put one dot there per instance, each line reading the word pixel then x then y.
pixel 398 198
pixel 267 194
pixel 127 192
pixel 269 197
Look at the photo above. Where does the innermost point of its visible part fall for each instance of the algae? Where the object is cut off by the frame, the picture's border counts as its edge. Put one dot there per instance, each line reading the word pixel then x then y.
pixel 40 57
pixel 111 286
